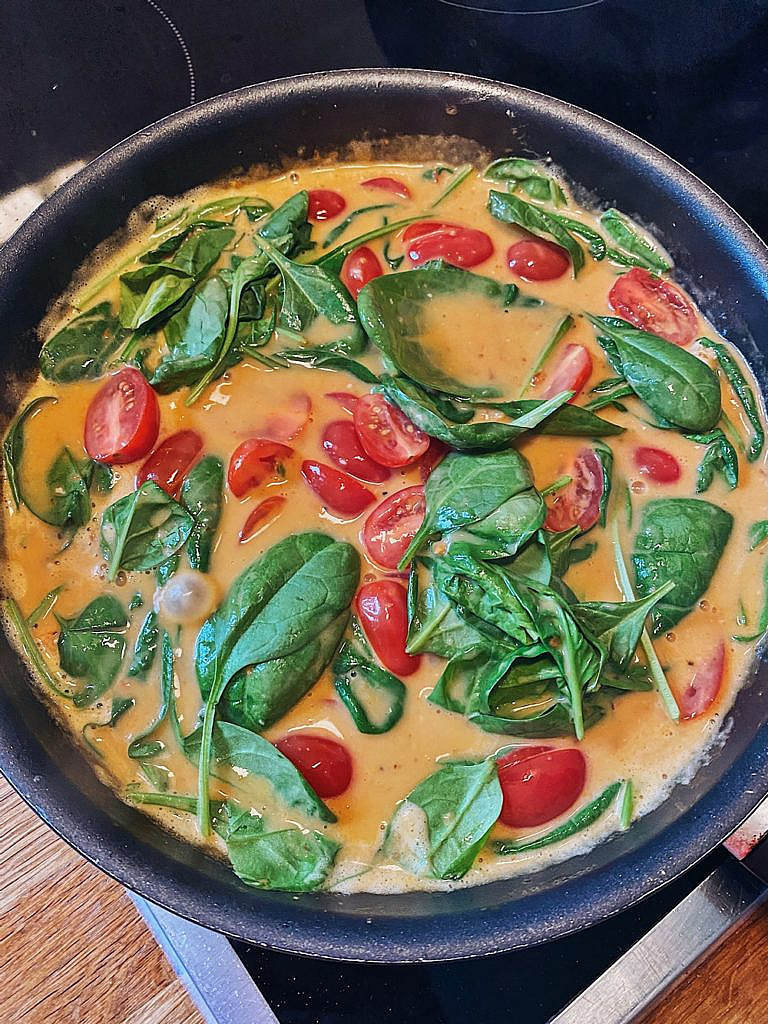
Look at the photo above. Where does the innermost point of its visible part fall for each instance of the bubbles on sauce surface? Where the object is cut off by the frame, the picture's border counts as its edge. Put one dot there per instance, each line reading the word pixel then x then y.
pixel 187 598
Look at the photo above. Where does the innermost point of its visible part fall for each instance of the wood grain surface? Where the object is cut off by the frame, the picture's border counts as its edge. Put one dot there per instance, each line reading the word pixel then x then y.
pixel 73 950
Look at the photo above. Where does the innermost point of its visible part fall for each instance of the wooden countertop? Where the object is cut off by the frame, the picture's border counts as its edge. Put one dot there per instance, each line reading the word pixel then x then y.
pixel 73 950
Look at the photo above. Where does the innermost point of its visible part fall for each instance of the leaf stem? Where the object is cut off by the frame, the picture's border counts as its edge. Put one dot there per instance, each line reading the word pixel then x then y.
pixel 627 805
pixel 460 175
pixel 556 485
pixel 558 334
pixel 29 644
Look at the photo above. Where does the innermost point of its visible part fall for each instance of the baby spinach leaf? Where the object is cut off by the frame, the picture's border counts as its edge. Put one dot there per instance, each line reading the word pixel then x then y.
pixel 744 393
pixel 762 624
pixel 333 361
pixel 682 540
pixel 618 624
pixel 341 227
pixel 40 611
pixel 166 569
pixel 582 819
pixel 120 705
pixel 289 860
pixel 171 244
pixel 605 458
pixel 333 261
pixel 141 746
pixel 461 803
pixel 83 347
pixel 624 234
pixel 143 529
pixel 566 420
pixel 67 504
pixel 146 647
pixel 505 530
pixel 360 682
pixel 193 336
pixel 512 210
pixel 91 647
pixel 673 383
pixel 758 532
pixel 464 671
pixel 433 624
pixel 34 655
pixel 13 444
pixel 720 457
pixel 529 176
pixel 202 494
pixel 559 548
pixel 554 339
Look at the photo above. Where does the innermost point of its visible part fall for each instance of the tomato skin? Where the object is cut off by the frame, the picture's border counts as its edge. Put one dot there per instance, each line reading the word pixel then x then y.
pixel 325 204
pixel 432 458
pixel 539 784
pixel 392 525
pixel 578 503
pixel 571 373
pixel 170 462
pixel 454 243
pixel 324 763
pixel 346 400
pixel 343 447
pixel 394 186
pixel 386 434
pixel 291 419
pixel 338 490
pixel 360 267
pixel 704 688
pixel 660 466
pixel 253 462
pixel 382 608
pixel 654 305
pixel 123 419
pixel 268 509
pixel 536 259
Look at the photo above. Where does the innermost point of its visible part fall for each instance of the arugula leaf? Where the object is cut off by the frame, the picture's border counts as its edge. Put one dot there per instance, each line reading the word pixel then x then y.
pixel 141 746
pixel 744 393
pixel 360 684
pixel 143 529
pixel 624 234
pixel 673 383
pixel 91 647
pixel 146 647
pixel 13 444
pixel 512 210
pixel 529 176
pixel 193 336
pixel 83 347
pixel 202 495
pixel 682 540
pixel 582 819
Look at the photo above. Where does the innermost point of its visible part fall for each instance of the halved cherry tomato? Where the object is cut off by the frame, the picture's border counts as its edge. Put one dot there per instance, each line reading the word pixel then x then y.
pixel 536 259
pixel 703 689
pixel 432 457
pixel 339 491
pixel 436 240
pixel 170 462
pixel 360 267
pixel 324 763
pixel 658 465
pixel 386 434
pixel 253 462
pixel 391 185
pixel 392 525
pixel 292 418
pixel 539 784
pixel 573 370
pixel 382 608
pixel 654 305
pixel 343 447
pixel 346 400
pixel 325 204
pixel 578 503
pixel 123 419
pixel 267 510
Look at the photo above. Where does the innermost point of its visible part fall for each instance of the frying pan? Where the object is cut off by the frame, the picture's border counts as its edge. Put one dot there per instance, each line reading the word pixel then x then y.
pixel 718 258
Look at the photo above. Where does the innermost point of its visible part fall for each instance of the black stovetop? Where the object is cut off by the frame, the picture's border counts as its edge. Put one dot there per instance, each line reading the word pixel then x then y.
pixel 690 77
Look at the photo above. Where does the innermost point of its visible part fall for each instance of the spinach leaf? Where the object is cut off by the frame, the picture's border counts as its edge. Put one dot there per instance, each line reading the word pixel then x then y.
pixel 605 458
pixel 673 383
pixel 332 361
pixel 433 624
pixel 555 338
pixel 13 444
pixel 120 705
pixel 172 243
pixel 762 624
pixel 758 532
pixel 202 495
pixel 720 457
pixel 193 336
pixel 529 176
pixel 29 645
pixel 559 548
pixel 566 421
pixel 83 347
pixel 463 673
pixel 289 860
pixel 142 530
pixel 682 540
pixel 618 624
pixel 360 684
pixel 333 260
pixel 505 530
pixel 91 647
pixel 40 611
pixel 582 819
pixel 166 569
pixel 341 227
pixel 744 393
pixel 512 210
pixel 624 234
pixel 141 746
pixel 461 803
pixel 146 647
pixel 68 504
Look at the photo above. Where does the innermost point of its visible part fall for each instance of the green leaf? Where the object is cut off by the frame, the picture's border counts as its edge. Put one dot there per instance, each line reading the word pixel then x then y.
pixel 528 175
pixel 143 529
pixel 682 540
pixel 744 393
pixel 624 234
pixel 512 210
pixel 582 819
pixel 146 647
pixel 463 673
pixel 673 383
pixel 333 261
pixel 193 336
pixel 68 504
pixel 361 685
pixel 120 705
pixel 13 444
pixel 289 860
pixel 618 624
pixel 91 647
pixel 605 458
pixel 40 611
pixel 341 227
pixel 758 532
pixel 434 626
pixel 82 348
pixel 332 361
pixel 202 495
pixel 720 457
pixel 141 746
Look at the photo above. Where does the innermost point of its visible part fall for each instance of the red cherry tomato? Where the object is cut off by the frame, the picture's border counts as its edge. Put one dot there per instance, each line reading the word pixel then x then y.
pixel 539 784
pixel 386 434
pixel 382 607
pixel 360 267
pixel 253 462
pixel 432 457
pixel 343 447
pixel 291 420
pixel 578 503
pixel 656 464
pixel 339 491
pixel 392 525
pixel 536 259
pixel 325 204
pixel 345 399
pixel 324 763
pixel 573 370
pixel 391 185
pixel 654 305
pixel 123 419
pixel 436 240
pixel 704 687
pixel 170 462
pixel 265 512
